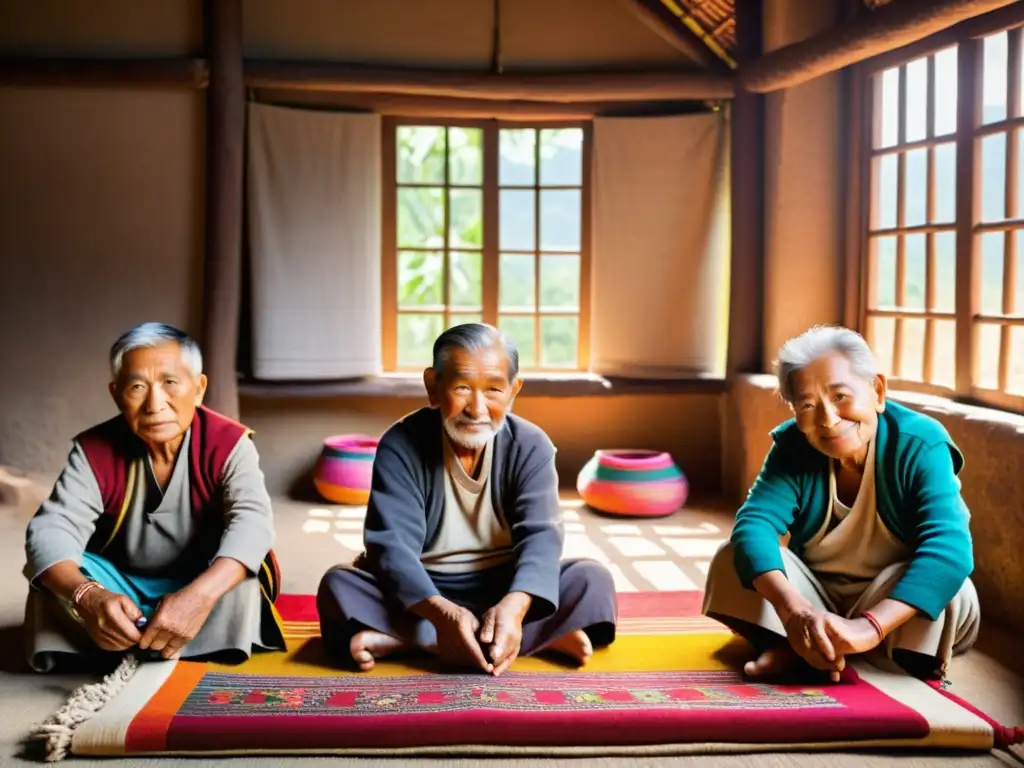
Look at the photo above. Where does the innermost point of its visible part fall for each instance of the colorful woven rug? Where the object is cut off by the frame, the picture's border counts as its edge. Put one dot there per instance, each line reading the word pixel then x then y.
pixel 669 685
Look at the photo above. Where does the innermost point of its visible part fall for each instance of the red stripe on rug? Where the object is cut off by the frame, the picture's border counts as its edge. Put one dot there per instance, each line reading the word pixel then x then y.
pixel 241 712
pixel 632 605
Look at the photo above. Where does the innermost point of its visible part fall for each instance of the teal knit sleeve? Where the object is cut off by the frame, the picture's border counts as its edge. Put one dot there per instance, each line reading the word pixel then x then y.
pixel 768 512
pixel 940 533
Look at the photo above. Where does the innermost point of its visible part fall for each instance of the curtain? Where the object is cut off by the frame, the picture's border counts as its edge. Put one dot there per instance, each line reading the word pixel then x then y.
pixel 314 200
pixel 661 246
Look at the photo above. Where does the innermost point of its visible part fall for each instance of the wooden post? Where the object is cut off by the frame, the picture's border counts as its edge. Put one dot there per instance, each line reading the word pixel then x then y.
pixel 856 91
pixel 746 283
pixel 225 142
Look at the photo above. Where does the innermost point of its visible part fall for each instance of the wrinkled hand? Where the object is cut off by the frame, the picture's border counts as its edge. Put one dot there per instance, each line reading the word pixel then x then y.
pixel 456 638
pixel 501 633
pixel 109 619
pixel 177 620
pixel 807 632
pixel 851 636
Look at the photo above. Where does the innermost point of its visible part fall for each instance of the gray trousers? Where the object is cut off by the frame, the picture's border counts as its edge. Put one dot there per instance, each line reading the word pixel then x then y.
pixel 955 631
pixel 350 600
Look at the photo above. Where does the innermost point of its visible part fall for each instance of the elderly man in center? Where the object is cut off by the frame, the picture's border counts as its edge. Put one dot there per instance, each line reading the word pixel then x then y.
pixel 879 552
pixel 157 535
pixel 463 534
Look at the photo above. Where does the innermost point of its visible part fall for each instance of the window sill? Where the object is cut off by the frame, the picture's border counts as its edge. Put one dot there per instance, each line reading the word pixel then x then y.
pixel 402 385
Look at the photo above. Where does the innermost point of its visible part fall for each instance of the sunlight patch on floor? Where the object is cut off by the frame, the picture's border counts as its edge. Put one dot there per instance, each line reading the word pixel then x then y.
pixel 641 554
pixel 636 546
pixel 664 575
pixel 694 547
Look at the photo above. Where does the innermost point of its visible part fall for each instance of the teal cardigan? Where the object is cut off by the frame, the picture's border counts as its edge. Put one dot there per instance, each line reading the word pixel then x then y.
pixel 917 492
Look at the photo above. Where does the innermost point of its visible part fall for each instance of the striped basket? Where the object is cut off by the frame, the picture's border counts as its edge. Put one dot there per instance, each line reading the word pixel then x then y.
pixel 632 483
pixel 343 471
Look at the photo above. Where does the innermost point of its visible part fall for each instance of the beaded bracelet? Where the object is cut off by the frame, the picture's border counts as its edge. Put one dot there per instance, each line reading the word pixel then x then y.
pixel 876 624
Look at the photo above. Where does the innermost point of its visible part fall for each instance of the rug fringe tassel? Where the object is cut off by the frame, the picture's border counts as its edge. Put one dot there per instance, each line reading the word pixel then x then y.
pixel 58 729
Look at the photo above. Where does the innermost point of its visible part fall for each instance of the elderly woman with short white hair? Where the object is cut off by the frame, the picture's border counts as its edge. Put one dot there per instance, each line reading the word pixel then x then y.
pixel 879 552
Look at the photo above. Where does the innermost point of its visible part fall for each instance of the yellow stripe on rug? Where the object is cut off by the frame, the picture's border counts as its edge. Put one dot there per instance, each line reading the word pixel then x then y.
pixel 629 653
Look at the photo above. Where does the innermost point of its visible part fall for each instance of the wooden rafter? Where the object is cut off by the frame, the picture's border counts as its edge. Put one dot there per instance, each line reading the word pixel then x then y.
pixel 882 30
pixel 560 87
pixel 184 72
pixel 663 22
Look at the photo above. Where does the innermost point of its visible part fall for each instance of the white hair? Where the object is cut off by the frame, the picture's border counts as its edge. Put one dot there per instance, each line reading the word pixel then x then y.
pixel 152 335
pixel 802 350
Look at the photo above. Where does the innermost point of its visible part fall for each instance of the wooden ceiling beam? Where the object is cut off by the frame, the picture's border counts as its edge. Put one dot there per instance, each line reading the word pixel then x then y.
pixel 871 34
pixel 57 72
pixel 559 87
pixel 660 20
pixel 440 107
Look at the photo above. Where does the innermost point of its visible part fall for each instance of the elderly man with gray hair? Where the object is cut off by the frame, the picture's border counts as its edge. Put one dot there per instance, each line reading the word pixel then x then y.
pixel 879 553
pixel 157 535
pixel 463 535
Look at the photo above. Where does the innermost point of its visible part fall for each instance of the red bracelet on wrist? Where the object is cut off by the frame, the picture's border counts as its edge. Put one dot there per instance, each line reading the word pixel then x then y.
pixel 875 623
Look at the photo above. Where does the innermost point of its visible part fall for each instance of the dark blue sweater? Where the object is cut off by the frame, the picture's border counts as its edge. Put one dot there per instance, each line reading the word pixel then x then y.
pixel 407 501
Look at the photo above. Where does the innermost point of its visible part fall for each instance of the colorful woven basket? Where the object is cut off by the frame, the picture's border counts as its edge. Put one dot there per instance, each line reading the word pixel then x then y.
pixel 632 483
pixel 344 469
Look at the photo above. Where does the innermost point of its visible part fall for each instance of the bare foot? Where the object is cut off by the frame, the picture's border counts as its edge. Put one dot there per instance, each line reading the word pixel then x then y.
pixel 369 645
pixel 774 661
pixel 575 645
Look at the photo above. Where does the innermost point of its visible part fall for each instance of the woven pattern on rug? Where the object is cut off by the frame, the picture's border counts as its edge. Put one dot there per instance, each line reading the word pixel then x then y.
pixel 670 679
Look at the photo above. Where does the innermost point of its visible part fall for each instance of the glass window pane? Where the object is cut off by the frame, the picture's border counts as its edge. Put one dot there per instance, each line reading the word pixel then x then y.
pixel 420 217
pixel 884 193
pixel 1019 304
pixel 560 282
pixel 560 220
pixel 516 283
pixel 517 215
pixel 988 356
pixel 993 177
pixel 465 287
pixel 944 353
pixel 559 342
pixel 945 183
pixel 885 272
pixel 915 111
pixel 459 318
pixel 420 278
pixel 945 271
pixel 467 222
pixel 994 78
pixel 945 91
pixel 992 273
pixel 416 335
pixel 520 331
pixel 466 156
pixel 1019 213
pixel 914 284
pixel 888 101
pixel 915 186
pixel 912 350
pixel 517 157
pixel 420 150
pixel 1015 380
pixel 881 332
pixel 561 157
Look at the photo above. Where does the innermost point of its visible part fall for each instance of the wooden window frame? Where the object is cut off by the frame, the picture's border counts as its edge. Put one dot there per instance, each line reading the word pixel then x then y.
pixel 967 224
pixel 491 252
